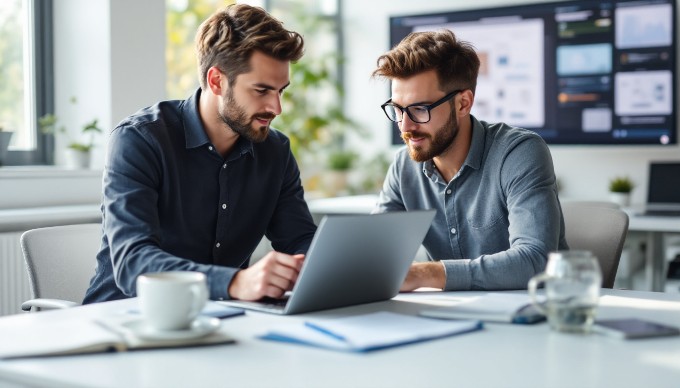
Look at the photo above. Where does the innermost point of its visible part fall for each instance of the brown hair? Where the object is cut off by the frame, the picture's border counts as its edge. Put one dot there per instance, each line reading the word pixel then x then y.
pixel 228 38
pixel 455 61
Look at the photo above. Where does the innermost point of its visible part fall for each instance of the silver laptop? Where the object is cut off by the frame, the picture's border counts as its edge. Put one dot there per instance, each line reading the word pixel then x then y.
pixel 663 189
pixel 353 259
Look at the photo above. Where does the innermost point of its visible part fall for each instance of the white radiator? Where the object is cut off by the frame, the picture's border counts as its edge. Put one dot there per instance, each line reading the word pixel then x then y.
pixel 14 288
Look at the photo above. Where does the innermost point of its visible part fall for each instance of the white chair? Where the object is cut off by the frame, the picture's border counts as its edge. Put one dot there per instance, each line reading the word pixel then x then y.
pixel 607 204
pixel 601 230
pixel 60 261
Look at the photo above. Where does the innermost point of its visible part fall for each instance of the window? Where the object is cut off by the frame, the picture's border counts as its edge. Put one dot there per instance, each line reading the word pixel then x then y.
pixel 26 86
pixel 182 20
pixel 312 115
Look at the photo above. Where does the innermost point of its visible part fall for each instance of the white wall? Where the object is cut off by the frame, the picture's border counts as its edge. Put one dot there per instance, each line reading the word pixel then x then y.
pixel 583 172
pixel 110 55
pixel 81 67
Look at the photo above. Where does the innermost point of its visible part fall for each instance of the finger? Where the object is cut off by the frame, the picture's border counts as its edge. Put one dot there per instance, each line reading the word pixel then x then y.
pixel 287 273
pixel 274 292
pixel 292 261
pixel 279 284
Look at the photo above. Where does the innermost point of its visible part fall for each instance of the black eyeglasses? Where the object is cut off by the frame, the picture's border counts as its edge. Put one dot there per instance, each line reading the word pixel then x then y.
pixel 418 113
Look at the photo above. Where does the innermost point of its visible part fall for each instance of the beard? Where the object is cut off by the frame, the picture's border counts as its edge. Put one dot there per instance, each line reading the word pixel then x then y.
pixel 441 141
pixel 234 115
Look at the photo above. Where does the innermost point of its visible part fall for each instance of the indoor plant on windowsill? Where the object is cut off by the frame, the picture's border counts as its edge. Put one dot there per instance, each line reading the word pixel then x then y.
pixel 5 137
pixel 77 154
pixel 340 163
pixel 619 190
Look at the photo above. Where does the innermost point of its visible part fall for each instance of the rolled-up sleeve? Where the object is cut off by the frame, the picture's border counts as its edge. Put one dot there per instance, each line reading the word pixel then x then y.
pixel 534 218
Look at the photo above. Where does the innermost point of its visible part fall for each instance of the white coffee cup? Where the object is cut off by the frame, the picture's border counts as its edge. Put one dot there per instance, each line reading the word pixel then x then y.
pixel 171 300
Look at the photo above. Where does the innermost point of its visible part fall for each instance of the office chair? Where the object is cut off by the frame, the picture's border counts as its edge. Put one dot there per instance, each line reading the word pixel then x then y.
pixel 60 262
pixel 607 204
pixel 601 230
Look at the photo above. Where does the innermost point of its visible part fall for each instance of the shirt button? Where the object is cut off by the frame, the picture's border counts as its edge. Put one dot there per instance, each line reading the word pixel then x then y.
pixel 448 191
pixel 217 245
pixel 453 230
pixel 224 165
pixel 224 206
pixel 210 148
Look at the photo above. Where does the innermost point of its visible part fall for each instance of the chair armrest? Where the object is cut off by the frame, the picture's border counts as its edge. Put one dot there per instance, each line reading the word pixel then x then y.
pixel 47 304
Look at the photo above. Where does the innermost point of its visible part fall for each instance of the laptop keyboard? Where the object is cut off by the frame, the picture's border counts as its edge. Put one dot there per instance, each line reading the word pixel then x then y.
pixel 272 302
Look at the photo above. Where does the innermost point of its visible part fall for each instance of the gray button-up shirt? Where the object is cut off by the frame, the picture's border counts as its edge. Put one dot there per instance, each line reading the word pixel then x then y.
pixel 172 202
pixel 497 219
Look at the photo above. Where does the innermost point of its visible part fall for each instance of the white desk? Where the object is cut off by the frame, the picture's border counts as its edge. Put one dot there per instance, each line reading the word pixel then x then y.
pixel 501 355
pixel 355 204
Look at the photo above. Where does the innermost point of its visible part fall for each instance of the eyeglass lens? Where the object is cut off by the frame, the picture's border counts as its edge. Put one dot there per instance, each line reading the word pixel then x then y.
pixel 417 113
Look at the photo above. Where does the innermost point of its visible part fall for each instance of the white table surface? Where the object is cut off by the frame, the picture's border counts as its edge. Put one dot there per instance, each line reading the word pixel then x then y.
pixel 501 355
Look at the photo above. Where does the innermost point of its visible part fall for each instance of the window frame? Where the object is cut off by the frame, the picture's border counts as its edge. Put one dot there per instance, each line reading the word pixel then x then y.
pixel 42 74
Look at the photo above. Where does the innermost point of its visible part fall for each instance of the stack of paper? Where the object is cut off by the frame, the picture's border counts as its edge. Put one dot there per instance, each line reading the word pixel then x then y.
pixel 493 307
pixel 368 332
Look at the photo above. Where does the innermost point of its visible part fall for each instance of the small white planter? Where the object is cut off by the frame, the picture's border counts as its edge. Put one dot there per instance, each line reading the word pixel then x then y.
pixel 622 199
pixel 76 160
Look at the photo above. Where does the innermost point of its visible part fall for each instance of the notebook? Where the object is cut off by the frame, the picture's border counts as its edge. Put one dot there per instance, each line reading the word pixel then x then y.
pixel 663 190
pixel 367 332
pixel 353 259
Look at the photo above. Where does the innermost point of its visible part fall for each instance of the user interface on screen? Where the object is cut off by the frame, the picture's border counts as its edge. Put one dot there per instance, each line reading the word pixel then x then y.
pixel 576 72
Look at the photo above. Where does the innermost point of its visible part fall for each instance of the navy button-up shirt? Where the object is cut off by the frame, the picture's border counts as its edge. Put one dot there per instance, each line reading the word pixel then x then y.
pixel 172 202
pixel 497 219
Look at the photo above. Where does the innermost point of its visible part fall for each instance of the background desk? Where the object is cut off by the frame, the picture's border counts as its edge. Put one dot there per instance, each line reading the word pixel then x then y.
pixel 655 228
pixel 501 355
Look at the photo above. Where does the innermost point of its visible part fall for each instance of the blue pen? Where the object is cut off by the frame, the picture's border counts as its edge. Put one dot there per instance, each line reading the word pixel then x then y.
pixel 325 331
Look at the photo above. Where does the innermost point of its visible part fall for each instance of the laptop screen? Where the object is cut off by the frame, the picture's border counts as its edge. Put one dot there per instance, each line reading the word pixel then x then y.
pixel 664 183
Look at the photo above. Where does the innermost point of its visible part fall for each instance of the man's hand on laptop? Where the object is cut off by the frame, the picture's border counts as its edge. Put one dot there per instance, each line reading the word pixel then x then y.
pixel 271 276
pixel 424 275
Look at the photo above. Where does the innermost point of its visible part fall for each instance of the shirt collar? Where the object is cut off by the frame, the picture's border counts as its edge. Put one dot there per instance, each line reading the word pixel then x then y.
pixel 243 146
pixel 194 130
pixel 431 172
pixel 476 152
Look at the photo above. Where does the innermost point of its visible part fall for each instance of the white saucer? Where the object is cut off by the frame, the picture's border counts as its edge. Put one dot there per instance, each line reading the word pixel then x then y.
pixel 200 327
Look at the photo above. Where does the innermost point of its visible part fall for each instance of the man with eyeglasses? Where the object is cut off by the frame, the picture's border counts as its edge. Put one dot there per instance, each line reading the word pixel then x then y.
pixel 493 185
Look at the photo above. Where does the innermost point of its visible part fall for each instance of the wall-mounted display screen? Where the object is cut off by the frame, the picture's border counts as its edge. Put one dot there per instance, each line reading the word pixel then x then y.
pixel 576 72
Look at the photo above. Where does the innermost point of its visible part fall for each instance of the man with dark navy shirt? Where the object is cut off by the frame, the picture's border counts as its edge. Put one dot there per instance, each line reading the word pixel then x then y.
pixel 194 185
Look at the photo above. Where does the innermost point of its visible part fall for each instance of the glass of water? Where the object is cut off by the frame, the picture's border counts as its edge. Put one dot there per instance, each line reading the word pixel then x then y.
pixel 572 290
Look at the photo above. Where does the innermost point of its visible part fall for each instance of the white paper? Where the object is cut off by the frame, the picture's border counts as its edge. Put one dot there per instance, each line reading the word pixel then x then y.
pixel 493 307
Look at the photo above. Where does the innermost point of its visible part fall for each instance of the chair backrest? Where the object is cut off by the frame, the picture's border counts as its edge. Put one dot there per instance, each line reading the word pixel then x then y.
pixel 601 230
pixel 607 204
pixel 60 260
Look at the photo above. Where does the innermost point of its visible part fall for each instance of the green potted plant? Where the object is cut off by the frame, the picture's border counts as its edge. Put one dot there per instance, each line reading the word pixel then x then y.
pixel 620 189
pixel 5 137
pixel 78 152
pixel 341 160
pixel 339 163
